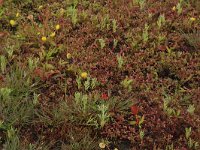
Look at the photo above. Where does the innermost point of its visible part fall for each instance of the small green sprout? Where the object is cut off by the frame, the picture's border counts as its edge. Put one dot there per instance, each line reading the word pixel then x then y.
pixel 188 132
pixel 191 109
pixel 142 134
pixel 102 43
pixel 120 61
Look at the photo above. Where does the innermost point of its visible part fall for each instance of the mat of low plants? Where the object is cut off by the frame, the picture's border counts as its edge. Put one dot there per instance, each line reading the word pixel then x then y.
pixel 99 74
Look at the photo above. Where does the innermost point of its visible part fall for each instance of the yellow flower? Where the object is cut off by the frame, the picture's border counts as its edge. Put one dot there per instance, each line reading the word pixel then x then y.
pixel 84 75
pixel 53 34
pixel 192 19
pixel 40 7
pixel 17 14
pixel 102 145
pixel 174 8
pixel 44 38
pixel 57 27
pixel 69 56
pixel 116 149
pixel 12 23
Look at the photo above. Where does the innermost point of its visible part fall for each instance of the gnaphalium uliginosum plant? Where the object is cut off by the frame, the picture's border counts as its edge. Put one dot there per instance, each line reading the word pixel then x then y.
pixel 103 115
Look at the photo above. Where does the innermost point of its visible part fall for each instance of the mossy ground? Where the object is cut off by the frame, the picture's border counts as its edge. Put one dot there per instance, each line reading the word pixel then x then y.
pixel 120 72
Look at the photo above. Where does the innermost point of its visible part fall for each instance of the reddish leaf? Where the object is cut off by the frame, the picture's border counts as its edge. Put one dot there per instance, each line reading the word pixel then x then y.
pixel 2 34
pixel 38 72
pixel 134 109
pixel 51 73
pixel 1 78
pixel 162 48
pixel 1 2
pixel 104 96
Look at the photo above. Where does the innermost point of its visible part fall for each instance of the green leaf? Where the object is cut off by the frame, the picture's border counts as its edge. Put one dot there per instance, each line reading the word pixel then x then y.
pixel 132 122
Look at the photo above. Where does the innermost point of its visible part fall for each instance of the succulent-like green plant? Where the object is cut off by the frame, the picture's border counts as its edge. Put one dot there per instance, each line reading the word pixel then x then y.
pixel 72 12
pixel 145 34
pixel 120 61
pixel 191 109
pixel 142 134
pixel 102 43
pixel 127 84
pixel 114 25
pixel 3 63
pixel 103 115
pixel 161 21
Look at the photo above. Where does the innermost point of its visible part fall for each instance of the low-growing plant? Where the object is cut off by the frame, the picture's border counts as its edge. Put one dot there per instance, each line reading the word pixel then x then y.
pixel 141 3
pixel 36 98
pixel 91 83
pixel 193 144
pixel 102 43
pixel 114 25
pixel 83 140
pixel 127 84
pixel 81 101
pixel 179 8
pixel 161 38
pixel 115 42
pixel 88 84
pixel 188 132
pixel 120 61
pixel 169 147
pixel 2 9
pixel 16 105
pixel 190 141
pixel 104 23
pixel 79 83
pixel 166 106
pixel 161 21
pixel 145 34
pixel 54 53
pixel 170 50
pixel 192 38
pixel 142 134
pixel 3 63
pixel 13 141
pixel 103 115
pixel 10 51
pixel 72 12
pixel 37 146
pixel 33 63
pixel 191 109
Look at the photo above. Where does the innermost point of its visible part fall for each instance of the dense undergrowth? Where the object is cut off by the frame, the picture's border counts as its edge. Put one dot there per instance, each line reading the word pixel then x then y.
pixel 107 74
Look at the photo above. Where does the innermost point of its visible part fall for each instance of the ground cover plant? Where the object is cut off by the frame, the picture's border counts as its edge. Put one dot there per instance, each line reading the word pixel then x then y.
pixel 106 74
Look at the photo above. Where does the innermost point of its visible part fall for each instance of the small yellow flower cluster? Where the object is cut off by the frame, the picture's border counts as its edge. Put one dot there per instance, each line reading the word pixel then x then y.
pixel 12 23
pixel 44 38
pixel 192 19
pixel 84 75
pixel 57 27
pixel 52 34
